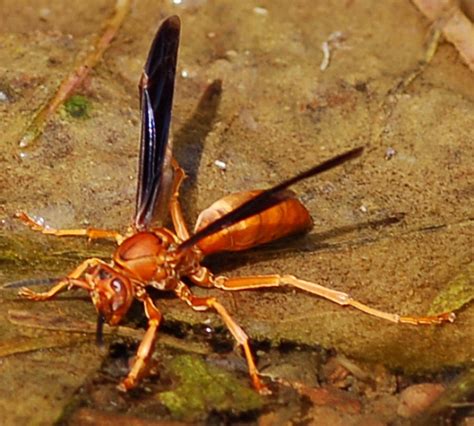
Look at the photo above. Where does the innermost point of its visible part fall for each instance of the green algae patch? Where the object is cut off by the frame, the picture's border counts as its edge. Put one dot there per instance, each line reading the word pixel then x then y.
pixel 78 106
pixel 458 292
pixel 203 389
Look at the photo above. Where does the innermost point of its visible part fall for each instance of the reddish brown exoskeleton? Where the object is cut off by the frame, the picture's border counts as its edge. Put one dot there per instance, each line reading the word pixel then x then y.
pixel 167 260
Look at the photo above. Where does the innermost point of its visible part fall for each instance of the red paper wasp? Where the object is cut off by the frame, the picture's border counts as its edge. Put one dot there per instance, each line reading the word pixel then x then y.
pixel 167 260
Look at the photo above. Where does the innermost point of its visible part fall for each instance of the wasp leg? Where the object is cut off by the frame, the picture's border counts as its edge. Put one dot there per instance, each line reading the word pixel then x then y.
pixel 203 277
pixel 91 233
pixel 343 299
pixel 205 303
pixel 146 347
pixel 67 283
pixel 175 206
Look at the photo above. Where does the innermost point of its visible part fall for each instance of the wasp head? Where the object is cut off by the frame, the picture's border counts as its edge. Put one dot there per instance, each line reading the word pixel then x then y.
pixel 112 293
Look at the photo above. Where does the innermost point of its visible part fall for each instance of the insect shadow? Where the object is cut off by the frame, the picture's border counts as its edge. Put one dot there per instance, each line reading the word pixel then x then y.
pixel 189 140
pixel 291 247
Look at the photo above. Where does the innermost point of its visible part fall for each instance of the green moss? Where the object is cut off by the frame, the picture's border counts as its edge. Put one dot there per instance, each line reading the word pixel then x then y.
pixel 203 388
pixel 78 106
pixel 458 292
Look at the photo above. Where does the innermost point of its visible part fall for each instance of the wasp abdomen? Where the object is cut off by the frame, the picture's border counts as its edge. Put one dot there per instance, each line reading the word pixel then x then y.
pixel 285 218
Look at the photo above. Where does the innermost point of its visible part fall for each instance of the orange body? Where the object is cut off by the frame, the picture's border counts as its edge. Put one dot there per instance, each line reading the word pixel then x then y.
pixel 170 259
pixel 143 254
pixel 286 218
pixel 145 257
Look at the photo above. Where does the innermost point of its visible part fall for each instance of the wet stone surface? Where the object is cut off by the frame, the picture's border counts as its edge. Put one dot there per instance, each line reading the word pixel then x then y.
pixel 394 229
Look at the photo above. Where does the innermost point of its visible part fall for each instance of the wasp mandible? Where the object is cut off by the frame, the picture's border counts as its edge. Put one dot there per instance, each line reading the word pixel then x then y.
pixel 148 256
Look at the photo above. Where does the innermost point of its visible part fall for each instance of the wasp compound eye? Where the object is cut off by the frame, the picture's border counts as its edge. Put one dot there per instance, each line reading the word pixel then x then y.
pixel 116 285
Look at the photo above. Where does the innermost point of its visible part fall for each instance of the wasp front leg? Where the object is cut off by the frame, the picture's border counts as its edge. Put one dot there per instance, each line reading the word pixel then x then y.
pixel 205 303
pixel 68 283
pixel 90 233
pixel 146 347
pixel 339 297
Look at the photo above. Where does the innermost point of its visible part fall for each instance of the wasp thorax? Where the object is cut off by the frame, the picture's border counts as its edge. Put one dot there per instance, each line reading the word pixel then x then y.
pixel 112 293
pixel 145 255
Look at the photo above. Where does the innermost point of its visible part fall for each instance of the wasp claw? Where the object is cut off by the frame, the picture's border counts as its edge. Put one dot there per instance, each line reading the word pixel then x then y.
pixel 26 292
pixel 126 384
pixel 32 295
pixel 121 387
pixel 264 391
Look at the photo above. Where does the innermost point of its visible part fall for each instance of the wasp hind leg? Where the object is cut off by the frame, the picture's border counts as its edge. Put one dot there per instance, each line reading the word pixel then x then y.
pixel 342 299
pixel 176 211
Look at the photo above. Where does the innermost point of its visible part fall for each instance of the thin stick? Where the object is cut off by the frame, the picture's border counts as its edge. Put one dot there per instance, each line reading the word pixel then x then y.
pixel 76 77
pixel 456 27
pixel 64 323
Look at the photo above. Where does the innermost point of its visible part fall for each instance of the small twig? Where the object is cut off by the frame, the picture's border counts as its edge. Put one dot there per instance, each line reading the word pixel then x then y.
pixel 326 55
pixel 20 345
pixel 63 323
pixel 456 27
pixel 430 51
pixel 77 76
pixel 334 41
pixel 458 394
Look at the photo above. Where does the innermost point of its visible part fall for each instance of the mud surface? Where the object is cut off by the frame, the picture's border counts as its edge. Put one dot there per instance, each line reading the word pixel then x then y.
pixel 394 229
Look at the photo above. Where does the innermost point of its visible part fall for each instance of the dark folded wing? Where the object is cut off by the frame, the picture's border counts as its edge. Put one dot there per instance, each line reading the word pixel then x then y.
pixel 266 199
pixel 156 97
